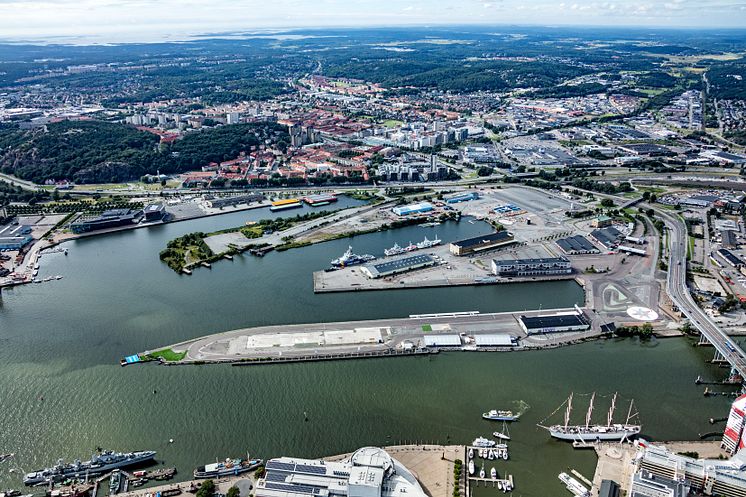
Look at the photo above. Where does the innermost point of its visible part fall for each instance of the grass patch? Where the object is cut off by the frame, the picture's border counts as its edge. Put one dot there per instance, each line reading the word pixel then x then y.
pixel 427 328
pixel 167 355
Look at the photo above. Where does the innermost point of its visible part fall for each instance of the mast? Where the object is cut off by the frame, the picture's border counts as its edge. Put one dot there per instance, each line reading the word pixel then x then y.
pixel 590 411
pixel 629 413
pixel 610 417
pixel 568 410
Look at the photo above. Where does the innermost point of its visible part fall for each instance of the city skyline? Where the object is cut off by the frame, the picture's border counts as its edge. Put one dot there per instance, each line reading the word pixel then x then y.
pixel 95 21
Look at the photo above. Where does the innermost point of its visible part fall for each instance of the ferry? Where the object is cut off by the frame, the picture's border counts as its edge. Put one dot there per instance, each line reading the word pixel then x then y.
pixel 595 432
pixel 229 467
pixel 350 259
pixel 574 486
pixel 100 463
pixel 495 415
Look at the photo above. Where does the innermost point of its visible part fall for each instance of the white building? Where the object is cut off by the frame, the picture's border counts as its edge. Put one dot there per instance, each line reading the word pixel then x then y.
pixel 369 472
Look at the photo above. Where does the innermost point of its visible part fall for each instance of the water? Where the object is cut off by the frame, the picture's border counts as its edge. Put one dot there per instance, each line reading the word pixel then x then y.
pixel 62 393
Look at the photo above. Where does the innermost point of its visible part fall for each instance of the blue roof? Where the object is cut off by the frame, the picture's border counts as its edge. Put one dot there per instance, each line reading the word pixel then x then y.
pixel 132 358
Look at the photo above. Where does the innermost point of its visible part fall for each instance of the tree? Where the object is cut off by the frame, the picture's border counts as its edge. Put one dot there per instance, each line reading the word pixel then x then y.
pixel 233 492
pixel 207 489
pixel 646 331
pixel 607 202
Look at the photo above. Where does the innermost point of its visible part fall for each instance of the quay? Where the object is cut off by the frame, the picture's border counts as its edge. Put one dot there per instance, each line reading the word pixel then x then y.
pixel 397 337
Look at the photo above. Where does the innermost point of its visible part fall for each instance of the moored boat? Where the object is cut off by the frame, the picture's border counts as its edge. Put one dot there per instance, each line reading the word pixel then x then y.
pixel 229 467
pixel 483 442
pixel 589 432
pixel 498 415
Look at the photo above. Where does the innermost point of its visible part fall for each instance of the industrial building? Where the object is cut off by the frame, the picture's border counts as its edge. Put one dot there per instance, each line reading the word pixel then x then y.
pixel 731 258
pixel 481 243
pixel 578 244
pixel 632 250
pixel 461 197
pixel 155 212
pixel 14 236
pixel 555 323
pixel 109 219
pixel 531 267
pixel 494 340
pixel 406 210
pixel 728 239
pixel 397 266
pixel 441 341
pixel 220 202
pixel 601 221
pixel 369 472
pixel 608 237
pixel 714 477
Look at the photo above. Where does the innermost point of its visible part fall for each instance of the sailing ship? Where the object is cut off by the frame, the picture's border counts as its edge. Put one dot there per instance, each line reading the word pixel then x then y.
pixel 595 432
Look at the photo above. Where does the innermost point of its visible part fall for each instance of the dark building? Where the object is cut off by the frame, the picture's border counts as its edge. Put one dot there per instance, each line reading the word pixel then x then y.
pixel 481 243
pixel 577 244
pixel 556 323
pixel 155 212
pixel 109 219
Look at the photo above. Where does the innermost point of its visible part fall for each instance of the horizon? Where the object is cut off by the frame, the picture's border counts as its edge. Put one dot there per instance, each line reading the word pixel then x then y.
pixel 145 21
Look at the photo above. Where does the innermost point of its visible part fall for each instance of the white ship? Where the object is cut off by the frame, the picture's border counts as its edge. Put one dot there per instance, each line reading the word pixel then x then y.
pixel 483 442
pixel 574 486
pixel 428 243
pixel 395 250
pixel 350 259
pixel 593 433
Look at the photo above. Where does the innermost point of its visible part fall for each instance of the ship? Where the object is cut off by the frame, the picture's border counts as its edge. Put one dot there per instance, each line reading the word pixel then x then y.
pixel 395 250
pixel 483 442
pixel 574 486
pixel 495 415
pixel 100 463
pixel 595 432
pixel 428 243
pixel 229 467
pixel 350 259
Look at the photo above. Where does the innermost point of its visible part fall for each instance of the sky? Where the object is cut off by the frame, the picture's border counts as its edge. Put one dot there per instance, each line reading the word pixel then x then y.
pixel 150 20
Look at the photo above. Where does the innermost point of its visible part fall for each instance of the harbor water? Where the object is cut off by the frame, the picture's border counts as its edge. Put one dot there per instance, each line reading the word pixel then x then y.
pixel 62 392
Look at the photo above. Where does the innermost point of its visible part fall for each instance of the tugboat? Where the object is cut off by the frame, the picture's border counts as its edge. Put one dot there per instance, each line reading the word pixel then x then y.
pixel 350 259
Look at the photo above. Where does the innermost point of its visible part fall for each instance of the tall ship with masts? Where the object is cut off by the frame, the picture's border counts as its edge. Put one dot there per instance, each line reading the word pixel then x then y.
pixel 590 432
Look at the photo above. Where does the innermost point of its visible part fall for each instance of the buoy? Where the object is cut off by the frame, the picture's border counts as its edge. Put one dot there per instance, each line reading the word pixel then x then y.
pixel 170 440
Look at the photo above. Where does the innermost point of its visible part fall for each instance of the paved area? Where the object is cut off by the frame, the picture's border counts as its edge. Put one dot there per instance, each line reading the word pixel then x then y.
pixel 319 340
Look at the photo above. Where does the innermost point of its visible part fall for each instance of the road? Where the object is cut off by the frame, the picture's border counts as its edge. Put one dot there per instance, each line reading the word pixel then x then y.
pixel 679 293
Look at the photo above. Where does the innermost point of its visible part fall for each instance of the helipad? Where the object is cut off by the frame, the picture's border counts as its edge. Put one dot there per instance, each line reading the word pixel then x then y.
pixel 642 313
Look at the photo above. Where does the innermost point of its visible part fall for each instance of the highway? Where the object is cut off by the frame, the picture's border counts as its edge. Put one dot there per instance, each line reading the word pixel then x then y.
pixel 679 293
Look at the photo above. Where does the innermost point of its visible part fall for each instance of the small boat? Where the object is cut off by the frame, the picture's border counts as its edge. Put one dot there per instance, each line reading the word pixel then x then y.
pixel 504 454
pixel 5 457
pixel 503 434
pixel 493 473
pixel 491 454
pixel 471 467
pixel 481 472
pixel 483 442
pixel 495 415
pixel 500 485
pixel 508 487
pixel 58 277
pixel 115 482
pixel 574 486
pixel 471 453
pixel 482 453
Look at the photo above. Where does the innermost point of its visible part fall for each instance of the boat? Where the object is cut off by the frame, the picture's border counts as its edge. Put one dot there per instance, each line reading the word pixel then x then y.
pixel 490 454
pixel 5 457
pixel 430 225
pixel 574 486
pixel 483 442
pixel 428 243
pixel 495 415
pixel 481 472
pixel 504 434
pixel 595 432
pixel 100 463
pixel 504 454
pixel 229 467
pixel 115 482
pixel 471 467
pixel 395 250
pixel 350 259
pixel 410 248
pixel 493 473
pixel 500 486
pixel 471 453
pixel 482 453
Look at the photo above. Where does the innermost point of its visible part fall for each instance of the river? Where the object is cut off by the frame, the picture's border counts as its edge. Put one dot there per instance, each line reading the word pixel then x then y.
pixel 62 392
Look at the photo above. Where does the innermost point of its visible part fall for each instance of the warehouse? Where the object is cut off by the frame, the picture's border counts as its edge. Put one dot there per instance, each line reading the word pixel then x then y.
pixel 728 239
pixel 441 341
pixel 608 237
pixel 406 210
pixel 481 243
pixel 531 267
pixel 219 203
pixel 731 258
pixel 632 250
pixel 397 266
pixel 461 197
pixel 494 340
pixel 577 244
pixel 556 323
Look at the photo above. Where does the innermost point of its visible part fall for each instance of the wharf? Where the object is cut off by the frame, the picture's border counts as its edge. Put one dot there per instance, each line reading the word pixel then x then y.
pixel 372 338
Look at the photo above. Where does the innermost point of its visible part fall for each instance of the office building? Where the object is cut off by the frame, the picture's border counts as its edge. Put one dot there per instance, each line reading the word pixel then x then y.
pixel 110 219
pixel 531 267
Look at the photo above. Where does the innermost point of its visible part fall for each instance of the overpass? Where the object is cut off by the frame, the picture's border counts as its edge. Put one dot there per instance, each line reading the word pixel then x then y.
pixel 726 347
